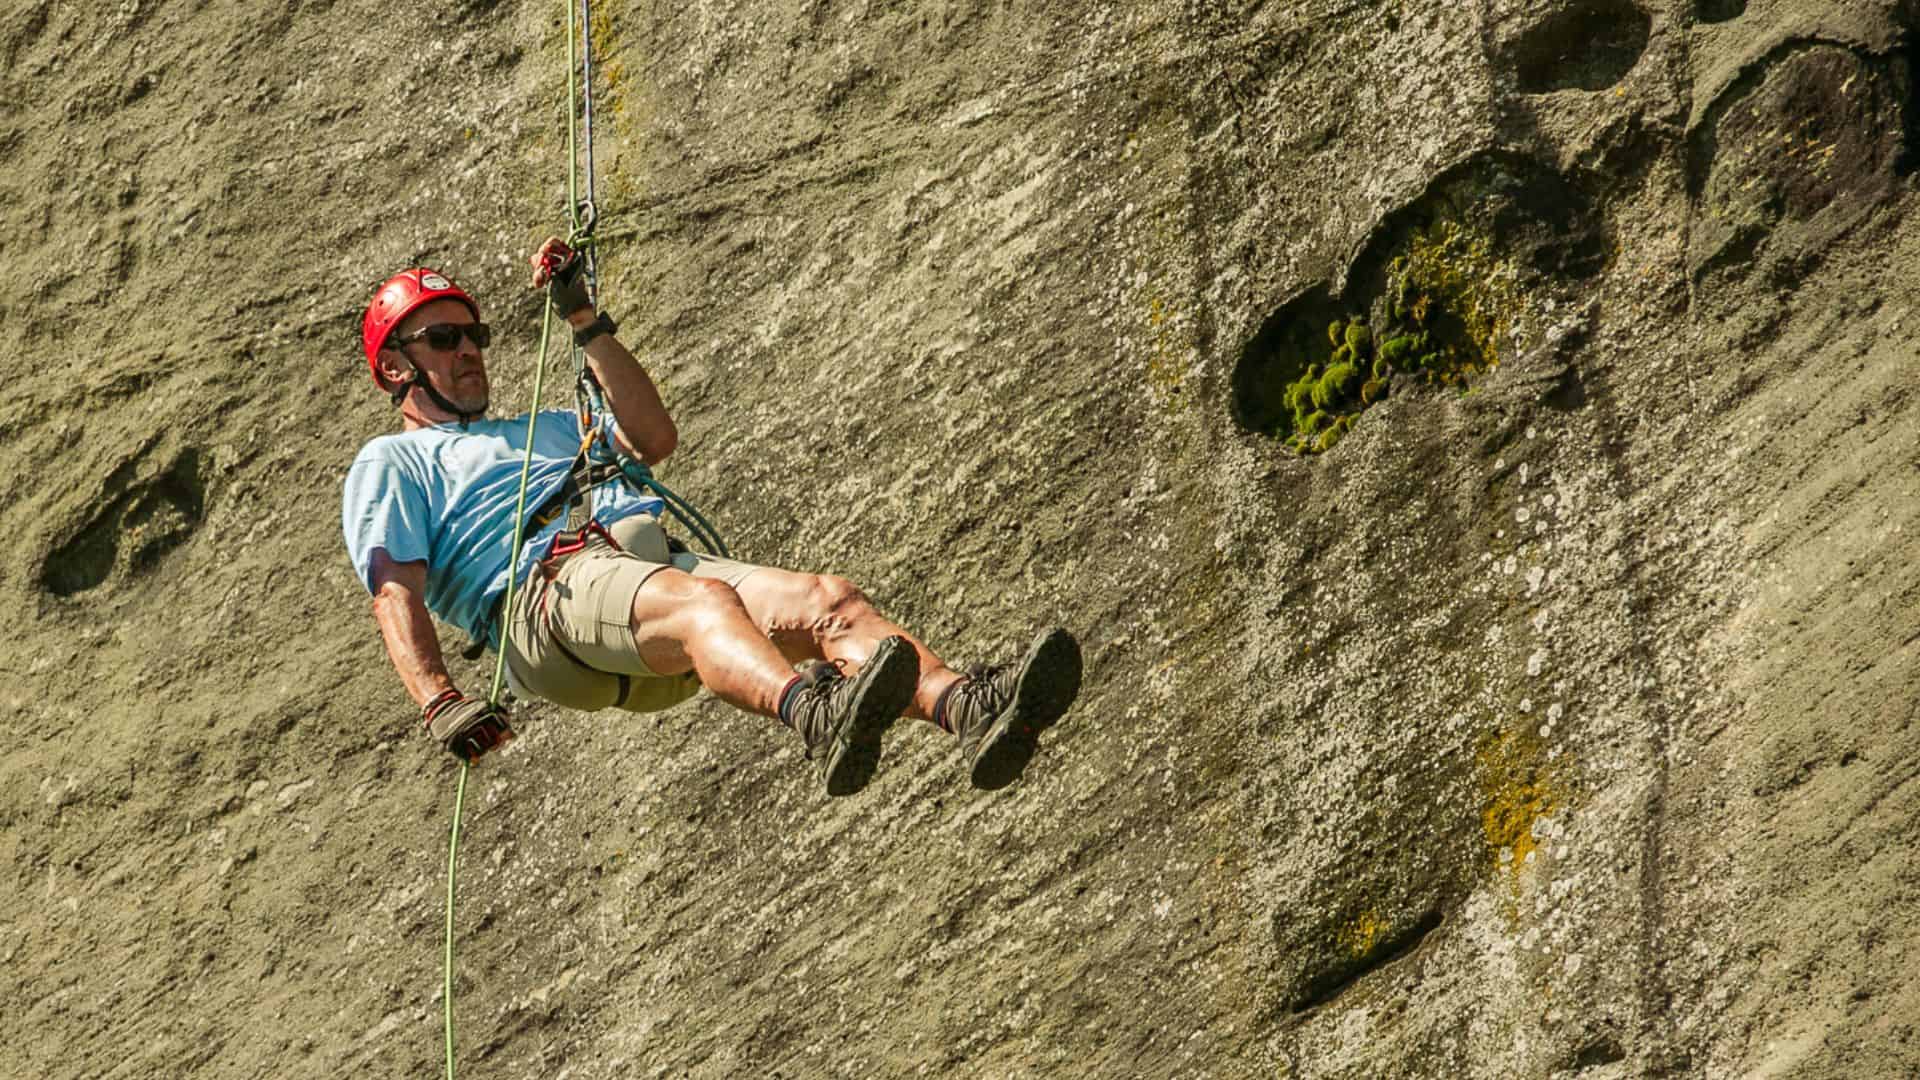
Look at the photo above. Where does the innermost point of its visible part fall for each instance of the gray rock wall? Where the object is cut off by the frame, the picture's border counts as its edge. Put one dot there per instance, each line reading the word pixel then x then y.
pixel 1554 722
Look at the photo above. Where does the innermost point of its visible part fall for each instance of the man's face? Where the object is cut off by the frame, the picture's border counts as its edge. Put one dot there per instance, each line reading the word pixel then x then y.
pixel 459 373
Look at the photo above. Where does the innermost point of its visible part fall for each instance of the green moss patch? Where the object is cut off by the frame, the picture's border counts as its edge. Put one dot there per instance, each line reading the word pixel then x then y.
pixel 1446 314
pixel 1435 299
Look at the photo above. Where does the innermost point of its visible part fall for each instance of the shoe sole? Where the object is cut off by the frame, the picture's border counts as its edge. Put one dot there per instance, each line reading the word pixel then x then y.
pixel 1049 681
pixel 883 689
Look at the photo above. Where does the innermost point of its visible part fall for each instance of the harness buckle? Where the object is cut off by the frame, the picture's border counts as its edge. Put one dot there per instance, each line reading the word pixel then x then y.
pixel 573 540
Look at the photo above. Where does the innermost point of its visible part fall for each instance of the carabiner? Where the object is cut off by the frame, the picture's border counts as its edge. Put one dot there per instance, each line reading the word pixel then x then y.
pixel 589 216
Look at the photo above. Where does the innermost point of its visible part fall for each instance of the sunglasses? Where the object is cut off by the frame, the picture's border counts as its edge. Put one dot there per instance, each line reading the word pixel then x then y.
pixel 446 336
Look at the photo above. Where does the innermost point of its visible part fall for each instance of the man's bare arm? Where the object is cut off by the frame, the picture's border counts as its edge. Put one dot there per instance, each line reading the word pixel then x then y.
pixel 400 607
pixel 646 430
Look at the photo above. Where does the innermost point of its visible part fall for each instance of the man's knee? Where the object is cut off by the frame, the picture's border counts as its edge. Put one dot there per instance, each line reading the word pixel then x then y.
pixel 828 594
pixel 714 602
pixel 834 602
pixel 679 596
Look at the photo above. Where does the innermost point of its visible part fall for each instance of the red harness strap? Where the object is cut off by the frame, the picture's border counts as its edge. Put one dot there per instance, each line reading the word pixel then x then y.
pixel 571 541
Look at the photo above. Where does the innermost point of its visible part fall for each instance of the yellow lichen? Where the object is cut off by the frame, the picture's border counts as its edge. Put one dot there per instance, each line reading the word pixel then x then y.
pixel 1518 787
pixel 1361 934
pixel 606 48
pixel 625 102
pixel 1156 313
pixel 1169 362
pixel 1457 266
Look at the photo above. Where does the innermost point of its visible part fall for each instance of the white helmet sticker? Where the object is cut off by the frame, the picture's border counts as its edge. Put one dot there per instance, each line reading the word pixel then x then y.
pixel 434 281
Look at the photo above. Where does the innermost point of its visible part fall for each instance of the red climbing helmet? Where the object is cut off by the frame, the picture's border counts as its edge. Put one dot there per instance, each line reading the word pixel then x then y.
pixel 403 293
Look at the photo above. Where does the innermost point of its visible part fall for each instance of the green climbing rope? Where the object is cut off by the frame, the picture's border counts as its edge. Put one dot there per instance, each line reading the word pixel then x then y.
pixel 506 606
pixel 453 854
pixel 638 473
pixel 520 509
pixel 500 658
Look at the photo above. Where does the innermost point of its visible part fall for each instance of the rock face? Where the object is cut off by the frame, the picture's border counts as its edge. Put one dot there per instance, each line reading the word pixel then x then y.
pixel 1555 722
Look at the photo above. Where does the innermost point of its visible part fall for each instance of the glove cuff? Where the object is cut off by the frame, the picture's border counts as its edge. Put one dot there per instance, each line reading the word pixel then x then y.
pixel 439 701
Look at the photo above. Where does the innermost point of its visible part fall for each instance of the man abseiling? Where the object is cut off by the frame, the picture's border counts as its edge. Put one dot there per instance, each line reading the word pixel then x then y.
pixel 611 613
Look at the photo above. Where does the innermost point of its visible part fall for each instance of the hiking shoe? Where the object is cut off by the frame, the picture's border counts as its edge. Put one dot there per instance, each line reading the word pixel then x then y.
pixel 842 717
pixel 999 712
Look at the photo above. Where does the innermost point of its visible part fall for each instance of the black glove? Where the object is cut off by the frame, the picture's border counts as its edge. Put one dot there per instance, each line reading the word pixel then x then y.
pixel 559 267
pixel 466 727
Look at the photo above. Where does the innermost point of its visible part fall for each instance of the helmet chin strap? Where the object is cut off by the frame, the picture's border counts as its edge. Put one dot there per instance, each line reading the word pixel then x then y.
pixel 419 379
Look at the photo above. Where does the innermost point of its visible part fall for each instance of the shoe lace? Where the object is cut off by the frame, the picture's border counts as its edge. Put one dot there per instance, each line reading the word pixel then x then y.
pixel 983 679
pixel 978 687
pixel 824 673
pixel 984 673
pixel 820 678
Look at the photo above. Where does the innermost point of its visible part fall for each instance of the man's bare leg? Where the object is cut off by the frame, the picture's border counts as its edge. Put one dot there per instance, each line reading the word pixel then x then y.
pixel 998 717
pixel 684 623
pixel 822 617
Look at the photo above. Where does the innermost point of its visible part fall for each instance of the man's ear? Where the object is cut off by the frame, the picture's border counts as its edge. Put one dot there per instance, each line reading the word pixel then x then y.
pixel 393 365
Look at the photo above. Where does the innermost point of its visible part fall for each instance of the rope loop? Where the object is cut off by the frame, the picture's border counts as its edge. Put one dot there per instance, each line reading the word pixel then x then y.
pixel 696 523
pixel 586 217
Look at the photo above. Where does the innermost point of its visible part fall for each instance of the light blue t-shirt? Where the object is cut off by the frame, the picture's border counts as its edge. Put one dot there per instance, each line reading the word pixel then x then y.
pixel 446 496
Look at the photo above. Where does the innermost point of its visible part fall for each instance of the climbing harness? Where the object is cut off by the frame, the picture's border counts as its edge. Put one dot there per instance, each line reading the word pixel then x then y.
pixel 584 475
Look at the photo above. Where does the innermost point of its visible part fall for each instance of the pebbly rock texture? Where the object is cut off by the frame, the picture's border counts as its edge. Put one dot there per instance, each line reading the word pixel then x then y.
pixel 1553 723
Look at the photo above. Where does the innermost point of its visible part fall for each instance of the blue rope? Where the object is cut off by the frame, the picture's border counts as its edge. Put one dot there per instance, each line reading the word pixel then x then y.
pixel 642 479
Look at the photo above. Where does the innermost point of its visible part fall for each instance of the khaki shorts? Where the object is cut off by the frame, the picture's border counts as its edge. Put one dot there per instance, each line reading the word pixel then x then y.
pixel 571 639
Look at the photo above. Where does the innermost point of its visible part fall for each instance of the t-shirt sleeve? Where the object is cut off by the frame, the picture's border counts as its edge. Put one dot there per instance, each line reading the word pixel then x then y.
pixel 383 506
